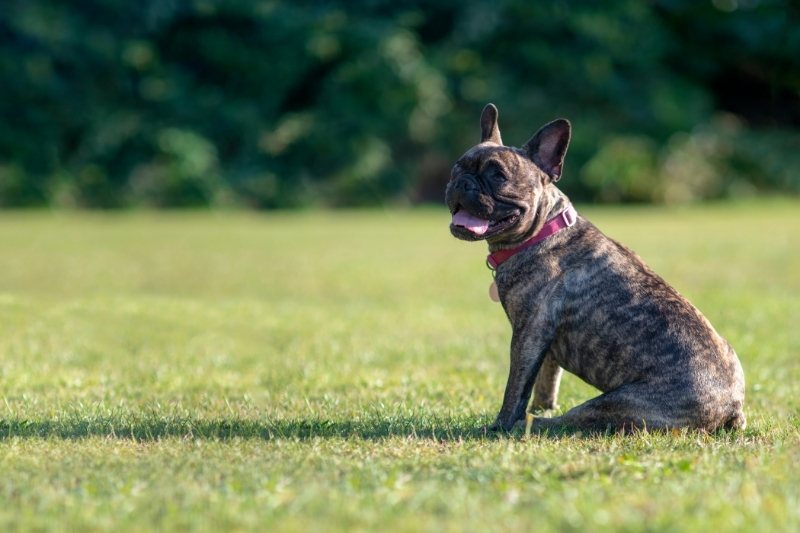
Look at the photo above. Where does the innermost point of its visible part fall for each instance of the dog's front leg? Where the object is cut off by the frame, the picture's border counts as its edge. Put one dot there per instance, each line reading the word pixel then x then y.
pixel 530 342
pixel 528 348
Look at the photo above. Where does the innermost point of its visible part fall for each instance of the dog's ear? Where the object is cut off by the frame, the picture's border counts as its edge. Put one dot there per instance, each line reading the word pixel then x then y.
pixel 548 146
pixel 490 131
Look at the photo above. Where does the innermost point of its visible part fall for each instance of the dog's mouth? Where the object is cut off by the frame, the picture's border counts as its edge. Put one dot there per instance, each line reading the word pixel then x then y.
pixel 467 225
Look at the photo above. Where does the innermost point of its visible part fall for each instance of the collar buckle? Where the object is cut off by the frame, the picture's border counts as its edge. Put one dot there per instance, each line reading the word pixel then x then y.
pixel 569 216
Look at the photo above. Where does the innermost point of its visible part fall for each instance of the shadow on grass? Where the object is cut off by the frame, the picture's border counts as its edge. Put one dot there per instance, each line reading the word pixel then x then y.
pixel 153 429
pixel 221 429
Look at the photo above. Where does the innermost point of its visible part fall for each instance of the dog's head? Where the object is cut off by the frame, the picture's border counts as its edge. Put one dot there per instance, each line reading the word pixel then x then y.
pixel 494 190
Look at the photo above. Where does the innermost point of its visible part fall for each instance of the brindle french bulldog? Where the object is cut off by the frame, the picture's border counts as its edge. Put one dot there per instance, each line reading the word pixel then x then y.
pixel 580 301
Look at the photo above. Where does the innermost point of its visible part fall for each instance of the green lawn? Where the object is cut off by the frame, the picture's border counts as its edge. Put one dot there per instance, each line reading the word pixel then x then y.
pixel 333 371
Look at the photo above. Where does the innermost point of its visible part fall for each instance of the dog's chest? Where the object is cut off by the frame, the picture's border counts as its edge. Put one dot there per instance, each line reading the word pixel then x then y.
pixel 526 290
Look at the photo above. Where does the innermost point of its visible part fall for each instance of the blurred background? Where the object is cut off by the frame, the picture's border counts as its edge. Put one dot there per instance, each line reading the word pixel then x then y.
pixel 271 104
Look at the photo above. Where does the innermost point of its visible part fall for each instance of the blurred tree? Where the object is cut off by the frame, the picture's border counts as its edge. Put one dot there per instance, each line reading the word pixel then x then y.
pixel 108 103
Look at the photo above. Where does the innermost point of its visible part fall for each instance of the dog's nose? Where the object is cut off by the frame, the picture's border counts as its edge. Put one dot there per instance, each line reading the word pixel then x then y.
pixel 465 185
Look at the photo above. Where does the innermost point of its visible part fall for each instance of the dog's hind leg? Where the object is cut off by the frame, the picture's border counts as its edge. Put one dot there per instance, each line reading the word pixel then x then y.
pixel 545 389
pixel 623 409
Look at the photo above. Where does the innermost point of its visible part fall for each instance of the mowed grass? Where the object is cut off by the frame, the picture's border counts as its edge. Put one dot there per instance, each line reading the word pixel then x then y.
pixel 334 371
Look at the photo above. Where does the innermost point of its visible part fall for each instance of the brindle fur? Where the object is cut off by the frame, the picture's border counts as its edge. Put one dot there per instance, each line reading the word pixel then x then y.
pixel 583 302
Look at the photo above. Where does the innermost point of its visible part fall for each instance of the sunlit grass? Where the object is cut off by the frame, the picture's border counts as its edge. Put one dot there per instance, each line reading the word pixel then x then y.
pixel 335 371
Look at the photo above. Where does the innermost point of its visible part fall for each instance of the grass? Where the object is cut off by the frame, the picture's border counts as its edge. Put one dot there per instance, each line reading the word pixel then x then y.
pixel 334 371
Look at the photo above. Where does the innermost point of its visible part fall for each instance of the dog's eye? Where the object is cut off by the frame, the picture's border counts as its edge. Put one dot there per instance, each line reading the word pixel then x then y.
pixel 494 173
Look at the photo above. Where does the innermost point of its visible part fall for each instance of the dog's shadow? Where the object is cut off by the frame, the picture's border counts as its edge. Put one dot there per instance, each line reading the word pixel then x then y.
pixel 152 429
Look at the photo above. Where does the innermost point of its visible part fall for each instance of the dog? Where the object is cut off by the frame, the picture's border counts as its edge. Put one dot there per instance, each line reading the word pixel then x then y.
pixel 579 301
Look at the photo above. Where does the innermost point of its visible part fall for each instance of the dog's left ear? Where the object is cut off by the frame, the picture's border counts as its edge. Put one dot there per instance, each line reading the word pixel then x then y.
pixel 490 131
pixel 548 146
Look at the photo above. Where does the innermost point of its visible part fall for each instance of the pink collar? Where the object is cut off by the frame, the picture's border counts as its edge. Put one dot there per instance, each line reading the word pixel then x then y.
pixel 563 220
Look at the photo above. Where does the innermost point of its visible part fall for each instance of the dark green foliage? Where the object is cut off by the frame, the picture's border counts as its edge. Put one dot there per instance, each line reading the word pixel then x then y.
pixel 279 104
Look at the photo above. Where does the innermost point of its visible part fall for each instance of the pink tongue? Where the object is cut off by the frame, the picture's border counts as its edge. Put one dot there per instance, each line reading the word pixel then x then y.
pixel 476 225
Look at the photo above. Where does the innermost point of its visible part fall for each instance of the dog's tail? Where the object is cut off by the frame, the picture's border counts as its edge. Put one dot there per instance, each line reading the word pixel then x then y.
pixel 737 421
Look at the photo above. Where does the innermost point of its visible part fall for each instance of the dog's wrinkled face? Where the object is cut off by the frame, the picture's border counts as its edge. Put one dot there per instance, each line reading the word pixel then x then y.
pixel 494 189
pixel 491 192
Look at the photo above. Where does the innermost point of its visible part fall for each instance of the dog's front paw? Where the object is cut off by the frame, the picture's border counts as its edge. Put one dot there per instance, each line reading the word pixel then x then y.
pixel 495 426
pixel 507 424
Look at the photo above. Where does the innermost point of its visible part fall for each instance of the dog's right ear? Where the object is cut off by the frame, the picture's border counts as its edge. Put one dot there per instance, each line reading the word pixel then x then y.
pixel 548 146
pixel 490 131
